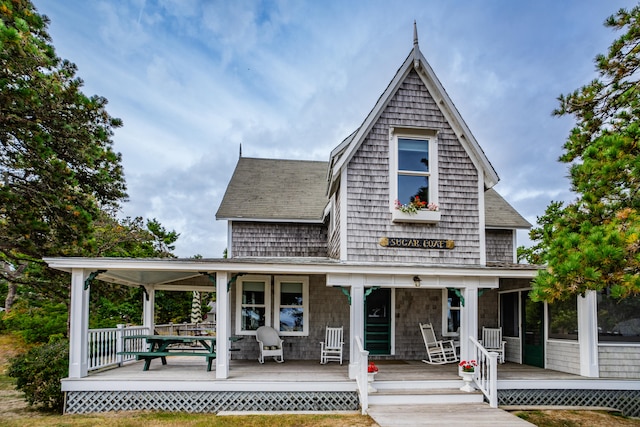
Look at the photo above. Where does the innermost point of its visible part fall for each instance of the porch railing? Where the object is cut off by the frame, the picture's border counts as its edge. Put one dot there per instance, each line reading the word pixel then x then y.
pixel 486 377
pixel 362 362
pixel 104 345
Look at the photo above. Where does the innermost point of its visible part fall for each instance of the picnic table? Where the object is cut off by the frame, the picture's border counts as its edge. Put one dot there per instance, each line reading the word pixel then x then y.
pixel 159 346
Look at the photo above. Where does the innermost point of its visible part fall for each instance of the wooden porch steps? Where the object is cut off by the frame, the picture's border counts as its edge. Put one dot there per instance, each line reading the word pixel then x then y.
pixel 422 393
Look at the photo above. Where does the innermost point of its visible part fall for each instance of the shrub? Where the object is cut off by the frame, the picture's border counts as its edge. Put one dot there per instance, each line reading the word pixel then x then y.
pixel 37 324
pixel 38 373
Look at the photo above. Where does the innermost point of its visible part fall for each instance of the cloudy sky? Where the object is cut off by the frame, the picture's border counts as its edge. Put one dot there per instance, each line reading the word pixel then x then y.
pixel 192 80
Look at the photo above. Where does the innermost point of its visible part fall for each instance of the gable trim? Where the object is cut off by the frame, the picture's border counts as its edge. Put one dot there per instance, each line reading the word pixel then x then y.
pixel 416 61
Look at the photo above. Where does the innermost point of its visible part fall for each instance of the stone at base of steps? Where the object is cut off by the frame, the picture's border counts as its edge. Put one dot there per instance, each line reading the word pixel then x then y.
pixel 471 414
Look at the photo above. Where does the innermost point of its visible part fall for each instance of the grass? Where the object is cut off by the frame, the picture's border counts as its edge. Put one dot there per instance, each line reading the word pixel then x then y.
pixel 577 418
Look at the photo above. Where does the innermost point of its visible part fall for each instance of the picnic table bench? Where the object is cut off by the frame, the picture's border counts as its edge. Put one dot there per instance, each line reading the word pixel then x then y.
pixel 159 348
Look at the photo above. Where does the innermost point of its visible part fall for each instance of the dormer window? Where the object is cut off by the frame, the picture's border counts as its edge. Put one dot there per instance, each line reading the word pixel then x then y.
pixel 414 175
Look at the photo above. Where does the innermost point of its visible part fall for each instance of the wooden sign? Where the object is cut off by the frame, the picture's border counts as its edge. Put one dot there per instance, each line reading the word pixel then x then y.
pixel 407 242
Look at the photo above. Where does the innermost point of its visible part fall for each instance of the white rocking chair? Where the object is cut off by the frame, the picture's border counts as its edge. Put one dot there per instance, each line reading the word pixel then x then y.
pixel 492 341
pixel 331 348
pixel 270 344
pixel 439 352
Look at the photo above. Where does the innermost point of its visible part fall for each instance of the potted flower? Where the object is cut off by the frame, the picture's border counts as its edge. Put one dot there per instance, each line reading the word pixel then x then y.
pixel 467 372
pixel 415 205
pixel 416 210
pixel 372 370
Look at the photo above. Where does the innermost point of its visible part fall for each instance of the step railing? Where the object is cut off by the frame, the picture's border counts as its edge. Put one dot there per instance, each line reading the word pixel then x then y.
pixel 361 366
pixel 486 373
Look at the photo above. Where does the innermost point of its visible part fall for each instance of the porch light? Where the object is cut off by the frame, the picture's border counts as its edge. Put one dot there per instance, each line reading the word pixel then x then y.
pixel 416 281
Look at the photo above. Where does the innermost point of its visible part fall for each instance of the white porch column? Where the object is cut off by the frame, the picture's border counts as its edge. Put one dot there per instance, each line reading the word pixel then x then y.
pixel 79 325
pixel 588 334
pixel 468 322
pixel 223 325
pixel 148 308
pixel 356 318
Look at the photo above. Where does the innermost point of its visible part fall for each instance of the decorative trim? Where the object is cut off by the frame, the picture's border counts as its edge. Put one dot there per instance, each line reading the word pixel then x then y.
pixel 91 277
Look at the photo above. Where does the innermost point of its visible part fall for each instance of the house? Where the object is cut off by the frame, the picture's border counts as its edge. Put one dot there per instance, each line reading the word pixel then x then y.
pixel 345 243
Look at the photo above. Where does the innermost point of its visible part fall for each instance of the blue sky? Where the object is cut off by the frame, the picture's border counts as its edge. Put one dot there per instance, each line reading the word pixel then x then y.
pixel 192 80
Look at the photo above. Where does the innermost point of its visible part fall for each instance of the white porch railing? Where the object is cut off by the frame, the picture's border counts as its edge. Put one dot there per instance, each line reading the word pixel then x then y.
pixel 104 345
pixel 486 377
pixel 362 363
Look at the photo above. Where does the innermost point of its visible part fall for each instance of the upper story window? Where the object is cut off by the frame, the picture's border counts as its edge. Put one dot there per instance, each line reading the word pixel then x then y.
pixel 414 174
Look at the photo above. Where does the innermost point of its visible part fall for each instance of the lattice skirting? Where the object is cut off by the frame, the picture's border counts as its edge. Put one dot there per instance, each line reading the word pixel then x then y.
pixel 82 402
pixel 626 401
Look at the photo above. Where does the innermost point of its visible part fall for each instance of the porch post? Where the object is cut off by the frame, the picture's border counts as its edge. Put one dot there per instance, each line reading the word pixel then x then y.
pixel 588 334
pixel 148 308
pixel 223 326
pixel 356 318
pixel 469 322
pixel 79 325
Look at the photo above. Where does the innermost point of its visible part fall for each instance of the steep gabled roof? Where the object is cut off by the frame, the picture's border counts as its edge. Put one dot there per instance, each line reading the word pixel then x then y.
pixel 415 61
pixel 275 190
pixel 500 214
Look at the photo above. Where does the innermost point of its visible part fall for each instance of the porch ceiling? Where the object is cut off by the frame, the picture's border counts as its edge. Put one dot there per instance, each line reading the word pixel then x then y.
pixel 144 277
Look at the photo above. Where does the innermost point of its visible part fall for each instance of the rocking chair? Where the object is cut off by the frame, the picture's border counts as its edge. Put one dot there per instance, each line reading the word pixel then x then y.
pixel 439 352
pixel 270 344
pixel 331 347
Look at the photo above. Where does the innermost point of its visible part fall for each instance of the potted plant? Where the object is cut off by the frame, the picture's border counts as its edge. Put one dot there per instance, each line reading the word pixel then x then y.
pixel 467 372
pixel 372 370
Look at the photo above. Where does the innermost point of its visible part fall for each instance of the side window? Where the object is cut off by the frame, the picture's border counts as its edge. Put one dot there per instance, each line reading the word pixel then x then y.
pixel 509 314
pixel 451 313
pixel 253 304
pixel 291 305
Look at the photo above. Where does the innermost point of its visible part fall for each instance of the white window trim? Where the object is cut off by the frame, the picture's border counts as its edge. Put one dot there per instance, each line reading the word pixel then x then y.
pixel 267 301
pixel 305 304
pixel 422 216
pixel 445 313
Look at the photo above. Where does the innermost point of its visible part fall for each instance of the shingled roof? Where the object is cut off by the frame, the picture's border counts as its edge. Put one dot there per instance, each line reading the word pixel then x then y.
pixel 295 190
pixel 500 214
pixel 276 190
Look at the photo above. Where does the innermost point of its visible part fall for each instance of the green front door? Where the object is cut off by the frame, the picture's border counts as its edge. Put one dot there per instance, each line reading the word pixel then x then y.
pixel 377 321
pixel 533 329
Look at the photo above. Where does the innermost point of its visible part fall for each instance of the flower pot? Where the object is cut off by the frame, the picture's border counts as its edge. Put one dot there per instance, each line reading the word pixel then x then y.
pixel 467 377
pixel 371 376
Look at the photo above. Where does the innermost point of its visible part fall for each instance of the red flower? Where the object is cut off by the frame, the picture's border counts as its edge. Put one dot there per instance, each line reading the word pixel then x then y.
pixel 372 367
pixel 468 366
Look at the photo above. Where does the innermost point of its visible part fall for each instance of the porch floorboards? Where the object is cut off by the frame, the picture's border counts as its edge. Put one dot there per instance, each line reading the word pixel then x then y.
pixel 193 369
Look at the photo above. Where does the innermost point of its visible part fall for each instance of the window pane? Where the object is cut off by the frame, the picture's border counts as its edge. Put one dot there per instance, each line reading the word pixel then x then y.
pixel 253 293
pixel 291 320
pixel 252 318
pixel 413 155
pixel 411 186
pixel 453 321
pixel 291 294
pixel 563 320
pixel 509 317
pixel 618 320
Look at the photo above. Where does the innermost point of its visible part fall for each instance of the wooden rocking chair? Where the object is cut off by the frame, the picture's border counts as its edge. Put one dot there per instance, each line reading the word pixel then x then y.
pixel 331 348
pixel 439 352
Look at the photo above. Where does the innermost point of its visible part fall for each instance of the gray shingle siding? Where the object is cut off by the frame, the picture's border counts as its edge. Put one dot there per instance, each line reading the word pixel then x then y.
pixel 499 244
pixel 256 239
pixel 369 218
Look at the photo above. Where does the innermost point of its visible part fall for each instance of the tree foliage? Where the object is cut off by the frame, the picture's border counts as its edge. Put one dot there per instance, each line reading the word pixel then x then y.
pixel 593 243
pixel 57 164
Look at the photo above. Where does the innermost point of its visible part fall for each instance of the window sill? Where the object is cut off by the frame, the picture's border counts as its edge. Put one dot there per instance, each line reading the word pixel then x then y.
pixel 423 216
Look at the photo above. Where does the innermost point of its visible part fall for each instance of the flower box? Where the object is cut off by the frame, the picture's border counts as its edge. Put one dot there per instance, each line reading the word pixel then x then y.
pixel 422 216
